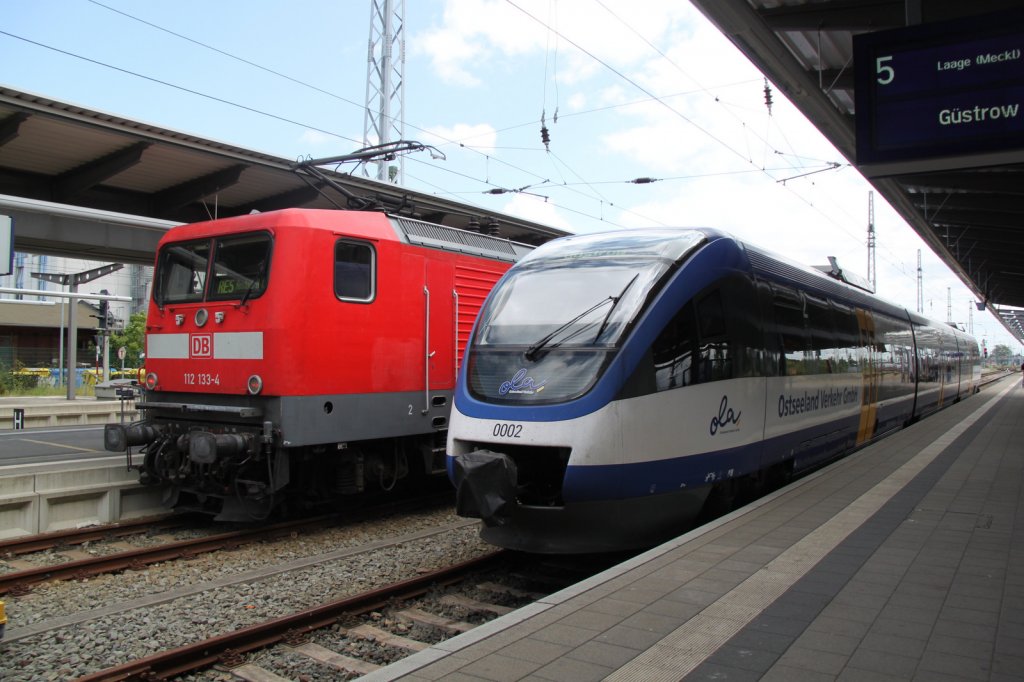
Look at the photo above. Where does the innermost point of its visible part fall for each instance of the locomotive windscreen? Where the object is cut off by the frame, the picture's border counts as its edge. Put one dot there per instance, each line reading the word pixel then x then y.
pixel 185 271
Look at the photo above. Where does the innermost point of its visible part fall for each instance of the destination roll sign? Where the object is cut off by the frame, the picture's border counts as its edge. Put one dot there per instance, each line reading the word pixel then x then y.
pixel 940 96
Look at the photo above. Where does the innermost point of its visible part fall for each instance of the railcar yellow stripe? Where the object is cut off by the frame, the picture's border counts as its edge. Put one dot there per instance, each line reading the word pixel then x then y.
pixel 869 377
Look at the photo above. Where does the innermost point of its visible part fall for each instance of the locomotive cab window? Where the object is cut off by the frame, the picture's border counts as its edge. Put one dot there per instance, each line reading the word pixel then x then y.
pixel 354 271
pixel 220 269
pixel 240 267
pixel 181 272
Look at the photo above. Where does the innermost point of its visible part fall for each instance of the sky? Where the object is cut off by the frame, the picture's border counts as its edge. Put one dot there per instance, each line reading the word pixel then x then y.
pixel 625 95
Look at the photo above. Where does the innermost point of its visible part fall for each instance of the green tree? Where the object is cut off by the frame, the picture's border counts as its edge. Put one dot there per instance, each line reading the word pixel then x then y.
pixel 133 338
pixel 1001 354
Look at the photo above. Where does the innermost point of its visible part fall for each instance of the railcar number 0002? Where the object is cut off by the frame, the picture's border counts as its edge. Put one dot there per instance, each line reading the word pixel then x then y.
pixel 502 430
pixel 202 379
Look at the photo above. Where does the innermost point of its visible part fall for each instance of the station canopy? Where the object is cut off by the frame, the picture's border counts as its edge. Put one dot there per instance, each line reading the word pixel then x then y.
pixel 926 99
pixel 96 186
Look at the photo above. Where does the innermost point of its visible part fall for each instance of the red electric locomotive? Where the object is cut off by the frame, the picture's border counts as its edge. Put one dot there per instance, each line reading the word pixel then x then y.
pixel 304 354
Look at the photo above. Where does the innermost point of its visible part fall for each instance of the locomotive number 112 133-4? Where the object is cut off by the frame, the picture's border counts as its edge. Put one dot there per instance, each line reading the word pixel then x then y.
pixel 201 379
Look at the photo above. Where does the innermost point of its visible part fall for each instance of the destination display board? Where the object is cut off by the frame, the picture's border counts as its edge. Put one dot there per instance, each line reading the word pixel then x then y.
pixel 943 91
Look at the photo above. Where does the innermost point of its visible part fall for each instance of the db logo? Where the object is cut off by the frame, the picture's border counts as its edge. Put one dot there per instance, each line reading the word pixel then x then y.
pixel 200 346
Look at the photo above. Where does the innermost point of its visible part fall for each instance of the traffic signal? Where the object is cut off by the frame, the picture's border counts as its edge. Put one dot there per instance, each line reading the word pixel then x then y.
pixel 104 310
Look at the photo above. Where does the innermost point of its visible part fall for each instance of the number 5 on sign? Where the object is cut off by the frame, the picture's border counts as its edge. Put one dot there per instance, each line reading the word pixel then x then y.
pixel 885 72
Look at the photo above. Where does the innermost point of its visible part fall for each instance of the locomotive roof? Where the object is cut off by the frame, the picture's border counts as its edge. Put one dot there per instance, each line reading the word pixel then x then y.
pixel 369 224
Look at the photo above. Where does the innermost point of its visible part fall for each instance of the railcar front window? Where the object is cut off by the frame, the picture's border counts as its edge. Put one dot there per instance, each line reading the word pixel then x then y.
pixel 581 304
pixel 550 331
pixel 559 316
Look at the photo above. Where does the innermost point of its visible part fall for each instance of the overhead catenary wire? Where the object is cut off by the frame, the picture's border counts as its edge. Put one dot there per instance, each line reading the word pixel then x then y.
pixel 552 31
pixel 444 169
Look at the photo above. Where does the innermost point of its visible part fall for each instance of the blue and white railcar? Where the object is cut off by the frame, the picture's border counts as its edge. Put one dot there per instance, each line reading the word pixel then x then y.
pixel 617 383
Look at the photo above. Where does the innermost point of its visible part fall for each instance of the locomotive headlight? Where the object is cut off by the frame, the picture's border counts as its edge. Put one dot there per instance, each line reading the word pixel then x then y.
pixel 151 380
pixel 255 384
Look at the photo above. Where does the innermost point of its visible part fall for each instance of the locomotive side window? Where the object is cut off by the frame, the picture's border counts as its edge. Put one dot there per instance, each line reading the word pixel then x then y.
pixel 240 267
pixel 354 271
pixel 181 272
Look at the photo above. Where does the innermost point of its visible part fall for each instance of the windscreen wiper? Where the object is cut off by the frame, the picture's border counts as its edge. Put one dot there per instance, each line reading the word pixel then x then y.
pixel 253 283
pixel 604 323
pixel 531 352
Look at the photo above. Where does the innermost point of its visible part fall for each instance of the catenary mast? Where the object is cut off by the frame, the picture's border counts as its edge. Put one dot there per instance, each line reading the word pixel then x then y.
pixel 384 119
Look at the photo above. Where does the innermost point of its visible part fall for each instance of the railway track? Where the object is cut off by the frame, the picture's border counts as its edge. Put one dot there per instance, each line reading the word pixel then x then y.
pixel 78 536
pixel 21 581
pixel 227 649
pixel 107 622
pixel 65 630
pixel 359 634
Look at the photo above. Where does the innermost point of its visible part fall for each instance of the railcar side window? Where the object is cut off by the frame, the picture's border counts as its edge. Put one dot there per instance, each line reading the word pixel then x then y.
pixel 354 271
pixel 713 338
pixel 823 336
pixel 715 353
pixel 673 351
pixel 850 352
pixel 791 325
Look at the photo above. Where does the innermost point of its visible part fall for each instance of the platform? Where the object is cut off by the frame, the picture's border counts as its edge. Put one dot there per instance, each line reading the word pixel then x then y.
pixel 903 561
pixel 54 411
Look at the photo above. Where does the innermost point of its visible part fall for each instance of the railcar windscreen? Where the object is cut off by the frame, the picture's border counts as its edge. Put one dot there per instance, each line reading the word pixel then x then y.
pixel 581 291
pixel 556 319
pixel 580 303
pixel 238 269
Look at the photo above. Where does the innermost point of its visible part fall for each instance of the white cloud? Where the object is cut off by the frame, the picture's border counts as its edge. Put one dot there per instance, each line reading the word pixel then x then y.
pixel 473 34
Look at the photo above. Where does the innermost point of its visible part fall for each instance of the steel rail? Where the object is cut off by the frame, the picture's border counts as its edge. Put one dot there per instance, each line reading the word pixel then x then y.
pixel 229 647
pixel 77 536
pixel 20 582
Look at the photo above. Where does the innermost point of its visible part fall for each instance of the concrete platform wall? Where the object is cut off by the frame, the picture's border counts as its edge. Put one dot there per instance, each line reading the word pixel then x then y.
pixel 70 413
pixel 38 498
